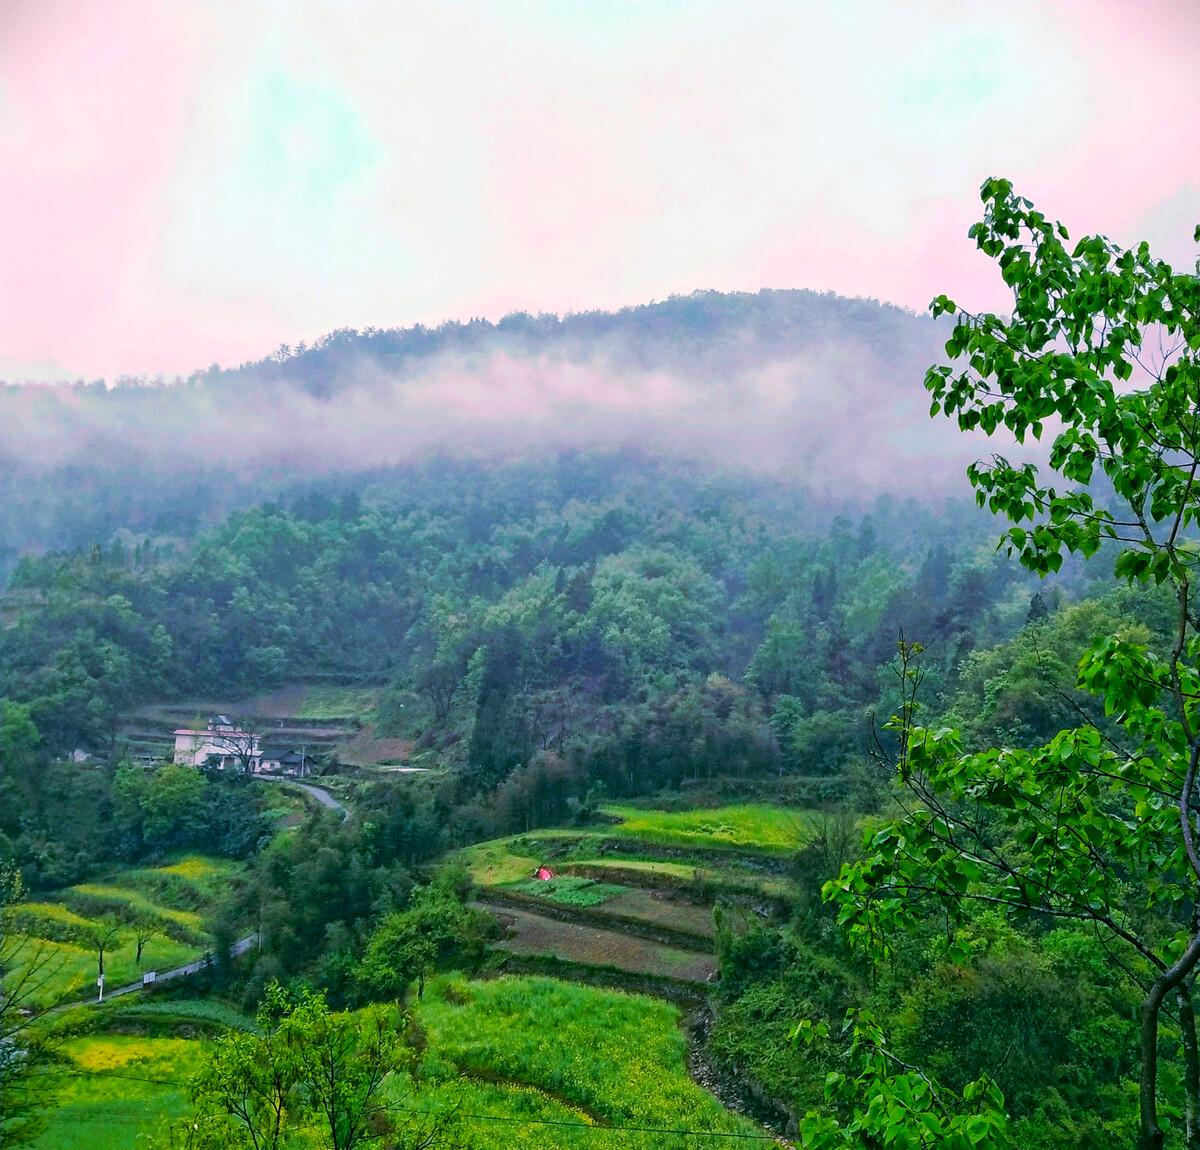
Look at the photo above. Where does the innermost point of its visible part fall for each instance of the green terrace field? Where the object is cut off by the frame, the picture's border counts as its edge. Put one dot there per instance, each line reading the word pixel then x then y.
pixel 636 891
pixel 114 1088
pixel 329 703
pixel 56 934
pixel 319 703
pixel 754 827
pixel 531 1063
pixel 745 837
pixel 538 1050
pixel 568 890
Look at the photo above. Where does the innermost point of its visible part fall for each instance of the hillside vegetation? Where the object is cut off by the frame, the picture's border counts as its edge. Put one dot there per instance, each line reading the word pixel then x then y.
pixel 54 942
pixel 665 832
pixel 772 379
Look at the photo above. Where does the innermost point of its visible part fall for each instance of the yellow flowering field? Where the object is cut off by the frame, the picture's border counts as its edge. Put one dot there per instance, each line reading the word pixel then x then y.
pixel 115 1090
pixel 619 1059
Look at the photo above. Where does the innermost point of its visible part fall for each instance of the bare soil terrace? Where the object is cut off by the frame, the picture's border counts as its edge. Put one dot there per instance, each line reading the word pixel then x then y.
pixel 533 934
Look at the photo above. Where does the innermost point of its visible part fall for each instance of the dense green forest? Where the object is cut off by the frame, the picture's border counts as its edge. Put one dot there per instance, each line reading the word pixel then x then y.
pixel 601 620
pixel 770 379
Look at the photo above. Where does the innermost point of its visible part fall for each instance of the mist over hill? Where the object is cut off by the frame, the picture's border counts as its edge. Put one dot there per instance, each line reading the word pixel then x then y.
pixel 812 389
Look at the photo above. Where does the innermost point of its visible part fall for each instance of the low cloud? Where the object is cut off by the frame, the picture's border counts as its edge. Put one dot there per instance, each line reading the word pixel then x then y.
pixel 835 415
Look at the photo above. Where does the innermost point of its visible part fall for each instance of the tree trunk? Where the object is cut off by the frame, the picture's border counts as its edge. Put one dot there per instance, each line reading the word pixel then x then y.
pixel 1191 1073
pixel 1150 1135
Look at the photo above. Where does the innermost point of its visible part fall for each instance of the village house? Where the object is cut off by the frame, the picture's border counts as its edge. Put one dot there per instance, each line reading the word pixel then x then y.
pixel 285 761
pixel 221 744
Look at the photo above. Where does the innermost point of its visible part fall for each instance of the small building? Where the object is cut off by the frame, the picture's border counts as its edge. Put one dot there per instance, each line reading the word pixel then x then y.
pixel 221 744
pixel 285 761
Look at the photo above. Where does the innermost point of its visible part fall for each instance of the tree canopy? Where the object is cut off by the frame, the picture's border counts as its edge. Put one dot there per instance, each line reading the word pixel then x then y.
pixel 1101 353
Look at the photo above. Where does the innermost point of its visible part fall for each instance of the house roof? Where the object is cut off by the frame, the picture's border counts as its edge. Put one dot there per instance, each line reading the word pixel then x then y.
pixel 210 732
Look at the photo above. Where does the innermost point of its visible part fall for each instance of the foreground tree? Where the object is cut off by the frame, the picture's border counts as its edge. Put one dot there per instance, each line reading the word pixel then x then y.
pixel 346 1058
pixel 309 1076
pixel 26 967
pixel 434 930
pixel 1099 825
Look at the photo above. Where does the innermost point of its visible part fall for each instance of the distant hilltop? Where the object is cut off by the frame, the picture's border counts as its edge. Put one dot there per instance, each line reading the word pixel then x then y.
pixel 808 387
pixel 703 330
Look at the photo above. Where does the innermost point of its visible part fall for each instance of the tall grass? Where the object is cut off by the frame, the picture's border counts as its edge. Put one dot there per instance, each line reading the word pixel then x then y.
pixel 619 1058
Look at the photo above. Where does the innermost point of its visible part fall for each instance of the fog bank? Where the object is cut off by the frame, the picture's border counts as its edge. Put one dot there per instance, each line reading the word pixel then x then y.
pixel 816 388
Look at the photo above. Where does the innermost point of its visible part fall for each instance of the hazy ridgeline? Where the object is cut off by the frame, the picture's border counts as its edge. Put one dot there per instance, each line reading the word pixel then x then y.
pixel 822 391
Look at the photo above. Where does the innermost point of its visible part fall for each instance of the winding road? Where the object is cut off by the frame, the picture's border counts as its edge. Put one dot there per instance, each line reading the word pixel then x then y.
pixel 243 944
pixel 240 947
pixel 319 793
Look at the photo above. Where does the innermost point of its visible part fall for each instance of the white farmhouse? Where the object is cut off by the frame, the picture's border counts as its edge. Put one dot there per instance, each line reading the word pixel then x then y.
pixel 221 744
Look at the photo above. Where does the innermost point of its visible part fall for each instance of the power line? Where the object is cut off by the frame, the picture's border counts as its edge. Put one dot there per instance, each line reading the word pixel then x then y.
pixel 498 1118
pixel 597 1129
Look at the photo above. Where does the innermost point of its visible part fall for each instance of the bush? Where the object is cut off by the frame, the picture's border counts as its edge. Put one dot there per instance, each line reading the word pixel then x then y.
pixel 1025 1017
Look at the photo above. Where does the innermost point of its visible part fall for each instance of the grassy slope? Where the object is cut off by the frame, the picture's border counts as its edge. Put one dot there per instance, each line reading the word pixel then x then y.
pixel 572 1052
pixel 530 1063
pixel 755 827
pixel 52 928
pixel 325 703
pixel 116 1088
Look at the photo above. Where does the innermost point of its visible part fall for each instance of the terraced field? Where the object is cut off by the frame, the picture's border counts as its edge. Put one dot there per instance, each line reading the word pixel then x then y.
pixel 733 878
pixel 654 906
pixel 526 1063
pixel 534 934
pixel 57 933
pixel 540 1064
pixel 755 827
pixel 635 892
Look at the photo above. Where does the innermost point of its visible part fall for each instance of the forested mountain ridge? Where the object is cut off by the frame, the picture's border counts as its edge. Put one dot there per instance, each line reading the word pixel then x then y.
pixel 668 606
pixel 812 386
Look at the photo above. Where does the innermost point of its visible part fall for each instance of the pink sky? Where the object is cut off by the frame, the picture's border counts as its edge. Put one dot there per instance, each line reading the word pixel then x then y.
pixel 189 182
